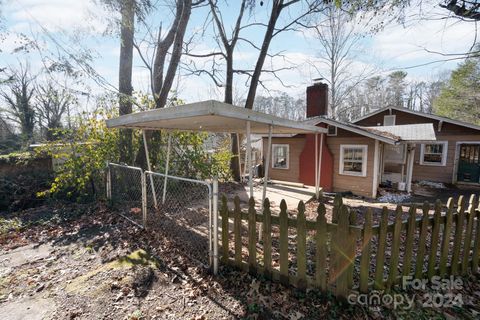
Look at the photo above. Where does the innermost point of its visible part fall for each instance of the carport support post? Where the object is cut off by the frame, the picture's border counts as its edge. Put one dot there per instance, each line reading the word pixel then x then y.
pixel 265 176
pixel 317 193
pixel 322 135
pixel 267 163
pixel 215 225
pixel 109 182
pixel 410 162
pixel 147 157
pixel 167 164
pixel 249 159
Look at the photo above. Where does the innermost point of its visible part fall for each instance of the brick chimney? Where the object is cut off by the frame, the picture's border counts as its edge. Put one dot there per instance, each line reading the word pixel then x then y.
pixel 317 100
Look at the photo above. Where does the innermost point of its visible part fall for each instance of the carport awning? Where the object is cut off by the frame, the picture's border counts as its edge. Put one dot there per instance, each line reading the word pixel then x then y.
pixel 211 116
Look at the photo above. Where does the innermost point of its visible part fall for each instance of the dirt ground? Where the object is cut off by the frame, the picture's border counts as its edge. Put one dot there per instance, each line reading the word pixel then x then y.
pixel 71 261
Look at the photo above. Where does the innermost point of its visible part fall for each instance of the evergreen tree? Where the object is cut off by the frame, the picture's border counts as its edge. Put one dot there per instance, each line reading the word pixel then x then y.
pixel 460 97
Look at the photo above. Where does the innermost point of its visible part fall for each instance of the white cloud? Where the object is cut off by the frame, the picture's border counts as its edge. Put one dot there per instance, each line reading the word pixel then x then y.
pixel 410 45
pixel 54 15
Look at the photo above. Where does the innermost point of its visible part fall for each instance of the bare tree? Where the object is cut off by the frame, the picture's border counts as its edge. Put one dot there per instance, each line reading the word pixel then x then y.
pixel 17 94
pixel 52 104
pixel 226 48
pixel 173 40
pixel 162 70
pixel 464 9
pixel 125 88
pixel 339 43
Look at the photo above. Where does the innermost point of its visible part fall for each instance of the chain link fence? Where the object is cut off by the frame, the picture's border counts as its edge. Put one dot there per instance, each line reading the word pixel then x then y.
pixel 182 207
pixel 125 186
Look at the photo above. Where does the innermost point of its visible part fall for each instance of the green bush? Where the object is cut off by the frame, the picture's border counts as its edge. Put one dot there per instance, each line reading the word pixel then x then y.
pixel 85 152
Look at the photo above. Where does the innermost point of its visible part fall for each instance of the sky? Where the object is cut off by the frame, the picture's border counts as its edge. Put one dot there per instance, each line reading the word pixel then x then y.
pixel 80 27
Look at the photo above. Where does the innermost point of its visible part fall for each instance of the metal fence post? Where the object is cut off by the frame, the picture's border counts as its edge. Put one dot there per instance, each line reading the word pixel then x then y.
pixel 215 225
pixel 109 182
pixel 144 199
pixel 210 227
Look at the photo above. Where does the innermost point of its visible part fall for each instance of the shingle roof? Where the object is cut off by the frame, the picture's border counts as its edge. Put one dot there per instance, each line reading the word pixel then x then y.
pixel 389 134
pixel 422 114
pixel 408 132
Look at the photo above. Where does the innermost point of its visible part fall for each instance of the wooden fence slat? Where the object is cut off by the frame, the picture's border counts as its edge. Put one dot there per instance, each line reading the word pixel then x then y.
pixel 224 215
pixel 410 237
pixel 422 240
pixel 252 237
pixel 476 245
pixel 447 230
pixel 301 247
pixel 382 240
pixel 321 249
pixel 337 203
pixel 352 247
pixel 267 239
pixel 237 229
pixel 341 246
pixel 432 257
pixel 365 257
pixel 458 236
pixel 396 238
pixel 283 243
pixel 468 235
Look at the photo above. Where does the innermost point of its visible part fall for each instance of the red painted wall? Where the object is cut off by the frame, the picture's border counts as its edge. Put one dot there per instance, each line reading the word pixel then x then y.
pixel 307 164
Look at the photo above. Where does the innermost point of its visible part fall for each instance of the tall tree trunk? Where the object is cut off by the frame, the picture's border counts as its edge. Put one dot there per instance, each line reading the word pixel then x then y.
pixel 235 148
pixel 277 7
pixel 125 75
pixel 163 84
pixel 176 53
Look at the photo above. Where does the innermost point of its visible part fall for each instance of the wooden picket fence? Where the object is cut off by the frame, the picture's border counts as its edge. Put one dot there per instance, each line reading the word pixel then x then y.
pixel 342 256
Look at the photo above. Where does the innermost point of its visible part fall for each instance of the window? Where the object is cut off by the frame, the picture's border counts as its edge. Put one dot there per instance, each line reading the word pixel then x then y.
pixel 332 130
pixel 395 154
pixel 353 160
pixel 280 155
pixel 389 120
pixel 434 154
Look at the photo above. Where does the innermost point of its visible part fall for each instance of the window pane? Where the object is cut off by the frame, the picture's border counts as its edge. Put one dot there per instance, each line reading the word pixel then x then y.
pixel 353 154
pixel 433 153
pixel 352 166
pixel 434 148
pixel 280 157
pixel 436 158
pixel 353 158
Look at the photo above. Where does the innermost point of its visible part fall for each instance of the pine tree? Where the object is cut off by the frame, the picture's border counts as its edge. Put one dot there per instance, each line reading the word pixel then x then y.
pixel 460 97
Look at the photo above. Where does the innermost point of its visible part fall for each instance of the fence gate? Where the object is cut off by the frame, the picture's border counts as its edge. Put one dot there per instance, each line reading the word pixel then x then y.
pixel 191 204
pixel 125 189
pixel 186 208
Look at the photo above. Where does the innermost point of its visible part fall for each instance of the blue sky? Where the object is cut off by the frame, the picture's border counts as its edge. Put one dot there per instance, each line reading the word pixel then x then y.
pixel 81 25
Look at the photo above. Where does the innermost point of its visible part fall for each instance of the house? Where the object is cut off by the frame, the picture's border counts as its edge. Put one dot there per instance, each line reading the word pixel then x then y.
pixel 389 147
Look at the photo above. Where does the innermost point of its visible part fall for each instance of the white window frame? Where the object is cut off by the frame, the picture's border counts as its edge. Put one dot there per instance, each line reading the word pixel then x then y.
pixel 331 134
pixel 364 148
pixel 444 154
pixel 389 116
pixel 274 145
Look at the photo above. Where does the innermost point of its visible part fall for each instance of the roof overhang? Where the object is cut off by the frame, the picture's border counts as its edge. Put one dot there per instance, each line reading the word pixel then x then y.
pixel 388 134
pixel 211 116
pixel 421 114
pixel 355 129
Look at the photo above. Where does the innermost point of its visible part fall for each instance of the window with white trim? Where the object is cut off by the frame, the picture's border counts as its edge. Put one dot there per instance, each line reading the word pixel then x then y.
pixel 389 120
pixel 331 130
pixel 434 154
pixel 353 160
pixel 280 156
